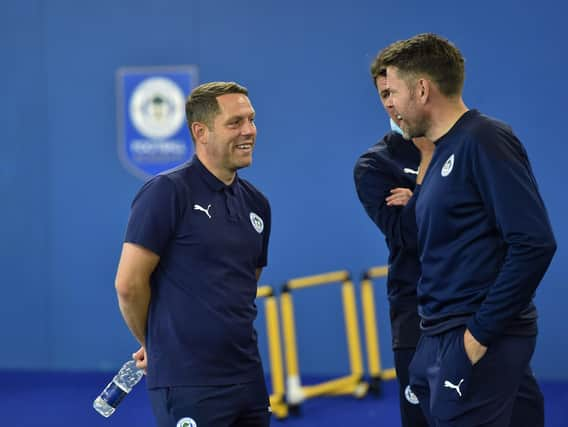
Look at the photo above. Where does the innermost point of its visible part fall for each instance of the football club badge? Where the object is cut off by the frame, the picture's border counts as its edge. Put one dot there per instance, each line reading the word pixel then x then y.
pixel 152 131
pixel 186 422
pixel 256 222
pixel 448 166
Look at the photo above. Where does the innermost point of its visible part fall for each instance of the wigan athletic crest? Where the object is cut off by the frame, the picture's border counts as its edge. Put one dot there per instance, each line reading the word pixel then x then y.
pixel 153 135
pixel 256 222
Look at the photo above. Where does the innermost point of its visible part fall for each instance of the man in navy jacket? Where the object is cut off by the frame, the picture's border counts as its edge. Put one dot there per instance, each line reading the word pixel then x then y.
pixel 484 240
pixel 385 177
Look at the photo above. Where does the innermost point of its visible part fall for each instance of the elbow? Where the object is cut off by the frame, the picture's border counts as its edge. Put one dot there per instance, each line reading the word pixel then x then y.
pixel 550 247
pixel 546 249
pixel 549 243
pixel 126 290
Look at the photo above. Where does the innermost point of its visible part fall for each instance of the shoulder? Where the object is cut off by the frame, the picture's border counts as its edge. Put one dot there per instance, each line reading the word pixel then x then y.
pixel 493 137
pixel 384 155
pixel 252 192
pixel 158 184
pixel 374 155
pixel 481 127
pixel 169 188
pixel 181 179
pixel 180 174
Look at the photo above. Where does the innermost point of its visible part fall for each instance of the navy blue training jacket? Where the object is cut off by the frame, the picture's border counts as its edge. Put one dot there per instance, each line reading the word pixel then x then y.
pixel 484 236
pixel 393 162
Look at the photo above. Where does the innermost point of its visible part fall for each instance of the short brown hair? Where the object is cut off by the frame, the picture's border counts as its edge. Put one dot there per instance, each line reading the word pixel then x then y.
pixel 428 54
pixel 378 69
pixel 202 106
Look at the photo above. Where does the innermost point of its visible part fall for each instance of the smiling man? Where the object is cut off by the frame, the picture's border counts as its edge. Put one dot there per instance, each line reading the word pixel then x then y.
pixel 195 245
pixel 484 240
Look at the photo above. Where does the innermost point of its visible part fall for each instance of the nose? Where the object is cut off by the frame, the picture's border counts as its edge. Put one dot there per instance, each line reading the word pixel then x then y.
pixel 249 128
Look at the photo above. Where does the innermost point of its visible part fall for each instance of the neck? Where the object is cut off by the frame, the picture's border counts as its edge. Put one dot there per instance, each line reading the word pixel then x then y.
pixel 445 117
pixel 223 175
pixel 423 144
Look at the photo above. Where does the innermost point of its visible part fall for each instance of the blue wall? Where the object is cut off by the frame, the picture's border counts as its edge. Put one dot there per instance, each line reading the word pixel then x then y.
pixel 65 195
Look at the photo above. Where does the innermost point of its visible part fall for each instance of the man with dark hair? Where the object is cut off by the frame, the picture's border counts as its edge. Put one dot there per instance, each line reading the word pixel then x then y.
pixel 484 240
pixel 195 246
pixel 385 177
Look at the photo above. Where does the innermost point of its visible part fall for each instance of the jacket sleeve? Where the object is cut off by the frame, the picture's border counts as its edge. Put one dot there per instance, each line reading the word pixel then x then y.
pixel 503 176
pixel 373 182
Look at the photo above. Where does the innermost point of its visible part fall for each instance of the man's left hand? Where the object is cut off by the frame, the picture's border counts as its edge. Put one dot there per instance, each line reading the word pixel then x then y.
pixel 399 197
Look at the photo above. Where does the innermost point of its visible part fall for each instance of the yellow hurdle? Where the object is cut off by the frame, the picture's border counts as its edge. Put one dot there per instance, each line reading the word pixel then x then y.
pixel 376 372
pixel 351 384
pixel 277 398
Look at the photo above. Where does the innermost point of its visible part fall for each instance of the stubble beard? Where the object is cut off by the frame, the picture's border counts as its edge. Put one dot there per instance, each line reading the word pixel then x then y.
pixel 418 130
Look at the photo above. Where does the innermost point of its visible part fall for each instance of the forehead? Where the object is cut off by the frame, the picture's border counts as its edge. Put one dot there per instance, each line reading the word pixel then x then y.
pixel 234 104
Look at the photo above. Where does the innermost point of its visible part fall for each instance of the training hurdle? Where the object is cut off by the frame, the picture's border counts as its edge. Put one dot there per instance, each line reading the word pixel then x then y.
pixel 277 398
pixel 351 384
pixel 376 373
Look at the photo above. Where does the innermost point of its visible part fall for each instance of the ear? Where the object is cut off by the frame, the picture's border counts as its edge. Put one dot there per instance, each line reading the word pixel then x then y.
pixel 200 132
pixel 423 89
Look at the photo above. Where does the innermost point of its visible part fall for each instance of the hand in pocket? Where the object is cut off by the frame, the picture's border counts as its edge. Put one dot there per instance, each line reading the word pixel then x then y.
pixel 473 348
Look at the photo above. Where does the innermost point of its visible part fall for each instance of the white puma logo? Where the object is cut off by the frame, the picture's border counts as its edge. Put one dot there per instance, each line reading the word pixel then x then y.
pixel 408 170
pixel 455 387
pixel 202 209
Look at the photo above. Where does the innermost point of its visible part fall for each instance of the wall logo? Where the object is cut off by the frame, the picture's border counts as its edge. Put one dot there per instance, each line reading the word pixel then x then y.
pixel 256 222
pixel 448 166
pixel 157 108
pixel 186 422
pixel 151 118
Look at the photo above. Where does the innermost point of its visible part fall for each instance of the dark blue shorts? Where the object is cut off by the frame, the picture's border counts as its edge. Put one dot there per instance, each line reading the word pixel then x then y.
pixel 454 393
pixel 237 405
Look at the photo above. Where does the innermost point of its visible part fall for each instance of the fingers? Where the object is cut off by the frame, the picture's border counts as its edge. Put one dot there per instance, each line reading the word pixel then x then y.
pixel 399 197
pixel 142 365
pixel 140 357
pixel 140 354
pixel 402 190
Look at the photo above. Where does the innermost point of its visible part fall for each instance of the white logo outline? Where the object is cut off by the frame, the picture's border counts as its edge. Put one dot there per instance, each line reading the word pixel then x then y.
pixel 197 207
pixel 448 384
pixel 448 166
pixel 412 171
pixel 410 396
pixel 186 422
pixel 256 222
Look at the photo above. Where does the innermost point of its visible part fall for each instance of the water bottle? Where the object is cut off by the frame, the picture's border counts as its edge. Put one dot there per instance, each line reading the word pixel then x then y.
pixel 126 378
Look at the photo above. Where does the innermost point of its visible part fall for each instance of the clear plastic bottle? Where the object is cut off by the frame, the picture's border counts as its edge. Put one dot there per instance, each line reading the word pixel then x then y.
pixel 126 378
